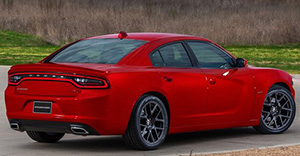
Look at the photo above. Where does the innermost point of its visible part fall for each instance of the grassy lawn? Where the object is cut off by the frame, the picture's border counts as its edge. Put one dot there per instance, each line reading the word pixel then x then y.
pixel 286 57
pixel 16 48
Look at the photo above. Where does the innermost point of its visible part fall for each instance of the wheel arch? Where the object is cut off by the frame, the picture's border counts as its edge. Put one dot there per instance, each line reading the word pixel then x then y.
pixel 282 84
pixel 157 94
pixel 162 98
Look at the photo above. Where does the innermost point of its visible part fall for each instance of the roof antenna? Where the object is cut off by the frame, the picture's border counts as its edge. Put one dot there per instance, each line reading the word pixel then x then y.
pixel 122 34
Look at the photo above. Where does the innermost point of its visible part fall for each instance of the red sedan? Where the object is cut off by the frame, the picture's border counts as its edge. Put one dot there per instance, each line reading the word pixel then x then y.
pixel 144 86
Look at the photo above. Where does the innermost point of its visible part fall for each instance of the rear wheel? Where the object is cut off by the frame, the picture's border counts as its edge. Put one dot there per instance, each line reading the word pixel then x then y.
pixel 44 136
pixel 148 125
pixel 278 111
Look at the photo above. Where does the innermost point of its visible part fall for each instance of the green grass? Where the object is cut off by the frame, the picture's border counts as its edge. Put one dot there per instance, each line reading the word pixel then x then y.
pixel 285 57
pixel 16 48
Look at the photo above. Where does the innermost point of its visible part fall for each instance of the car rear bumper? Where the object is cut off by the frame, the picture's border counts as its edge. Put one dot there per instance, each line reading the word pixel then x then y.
pixel 52 126
pixel 97 109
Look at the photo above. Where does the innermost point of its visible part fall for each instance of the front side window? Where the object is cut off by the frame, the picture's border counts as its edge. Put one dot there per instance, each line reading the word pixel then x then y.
pixel 173 55
pixel 103 51
pixel 210 56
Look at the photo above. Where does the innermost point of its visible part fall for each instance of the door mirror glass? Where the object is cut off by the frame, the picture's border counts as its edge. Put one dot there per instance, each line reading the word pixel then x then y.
pixel 240 62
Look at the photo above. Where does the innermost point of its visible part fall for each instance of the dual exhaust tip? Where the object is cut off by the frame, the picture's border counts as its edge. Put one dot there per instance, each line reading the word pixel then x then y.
pixel 74 129
pixel 79 130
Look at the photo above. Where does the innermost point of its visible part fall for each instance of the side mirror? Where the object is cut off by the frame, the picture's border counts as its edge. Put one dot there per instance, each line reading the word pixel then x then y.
pixel 240 62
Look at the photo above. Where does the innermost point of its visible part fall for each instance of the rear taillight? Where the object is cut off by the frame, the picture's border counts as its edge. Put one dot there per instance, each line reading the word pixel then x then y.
pixel 77 80
pixel 15 78
pixel 87 82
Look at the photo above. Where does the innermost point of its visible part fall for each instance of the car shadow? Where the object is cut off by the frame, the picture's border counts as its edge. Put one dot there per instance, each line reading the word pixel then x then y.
pixel 115 144
pixel 209 136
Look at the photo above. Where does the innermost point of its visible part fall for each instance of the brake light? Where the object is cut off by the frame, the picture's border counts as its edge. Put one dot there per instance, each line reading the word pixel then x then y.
pixel 15 78
pixel 77 80
pixel 122 34
pixel 89 82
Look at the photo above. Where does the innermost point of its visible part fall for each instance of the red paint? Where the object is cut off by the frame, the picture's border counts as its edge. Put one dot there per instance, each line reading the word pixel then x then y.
pixel 246 62
pixel 198 99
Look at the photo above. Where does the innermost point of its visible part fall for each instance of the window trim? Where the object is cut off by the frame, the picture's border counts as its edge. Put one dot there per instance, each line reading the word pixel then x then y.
pixel 188 52
pixel 214 45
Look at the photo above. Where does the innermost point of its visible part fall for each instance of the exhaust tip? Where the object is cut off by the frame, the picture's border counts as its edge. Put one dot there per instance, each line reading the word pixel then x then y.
pixel 79 131
pixel 14 126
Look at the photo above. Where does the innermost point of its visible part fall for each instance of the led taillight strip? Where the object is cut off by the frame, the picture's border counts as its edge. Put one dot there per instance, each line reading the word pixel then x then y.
pixel 56 77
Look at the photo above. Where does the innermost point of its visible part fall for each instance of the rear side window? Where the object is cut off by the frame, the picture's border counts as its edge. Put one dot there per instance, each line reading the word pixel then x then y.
pixel 210 56
pixel 173 55
pixel 104 51
pixel 157 60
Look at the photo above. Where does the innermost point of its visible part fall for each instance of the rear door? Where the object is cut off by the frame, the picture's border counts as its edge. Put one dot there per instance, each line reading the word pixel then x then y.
pixel 230 89
pixel 184 85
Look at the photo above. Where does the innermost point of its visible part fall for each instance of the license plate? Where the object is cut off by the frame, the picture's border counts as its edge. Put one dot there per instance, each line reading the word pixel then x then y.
pixel 42 107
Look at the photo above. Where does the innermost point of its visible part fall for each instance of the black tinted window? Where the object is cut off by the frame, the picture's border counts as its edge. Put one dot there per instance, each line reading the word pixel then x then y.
pixel 105 51
pixel 173 55
pixel 210 56
pixel 157 60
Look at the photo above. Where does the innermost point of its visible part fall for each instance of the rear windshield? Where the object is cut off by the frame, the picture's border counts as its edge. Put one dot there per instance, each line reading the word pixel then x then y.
pixel 104 51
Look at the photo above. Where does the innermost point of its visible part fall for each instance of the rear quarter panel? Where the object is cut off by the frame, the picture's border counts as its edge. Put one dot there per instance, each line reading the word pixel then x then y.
pixel 127 85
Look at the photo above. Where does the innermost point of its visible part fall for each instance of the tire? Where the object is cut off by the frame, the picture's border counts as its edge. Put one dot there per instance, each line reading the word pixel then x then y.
pixel 278 111
pixel 148 125
pixel 44 136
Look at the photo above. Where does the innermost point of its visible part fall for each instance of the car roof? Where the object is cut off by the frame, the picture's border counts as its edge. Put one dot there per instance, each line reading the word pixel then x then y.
pixel 150 36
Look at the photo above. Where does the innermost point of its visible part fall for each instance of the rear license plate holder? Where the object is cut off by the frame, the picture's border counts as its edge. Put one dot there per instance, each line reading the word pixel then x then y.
pixel 42 107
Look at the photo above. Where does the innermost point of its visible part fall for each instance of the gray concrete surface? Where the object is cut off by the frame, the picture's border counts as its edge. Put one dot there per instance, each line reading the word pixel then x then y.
pixel 16 143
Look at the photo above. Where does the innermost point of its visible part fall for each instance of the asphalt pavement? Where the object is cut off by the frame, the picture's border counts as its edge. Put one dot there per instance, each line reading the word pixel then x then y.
pixel 17 143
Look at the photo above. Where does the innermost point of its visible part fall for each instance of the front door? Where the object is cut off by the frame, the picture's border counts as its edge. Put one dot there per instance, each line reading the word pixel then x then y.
pixel 230 89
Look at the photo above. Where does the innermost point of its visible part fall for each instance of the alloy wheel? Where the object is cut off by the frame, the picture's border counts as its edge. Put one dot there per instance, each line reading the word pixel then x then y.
pixel 151 122
pixel 277 110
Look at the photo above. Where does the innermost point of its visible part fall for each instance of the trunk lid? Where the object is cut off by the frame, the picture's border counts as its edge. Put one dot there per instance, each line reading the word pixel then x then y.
pixel 55 79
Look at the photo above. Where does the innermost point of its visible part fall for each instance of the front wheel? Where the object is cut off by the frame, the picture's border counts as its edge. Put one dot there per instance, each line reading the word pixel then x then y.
pixel 44 136
pixel 148 125
pixel 278 111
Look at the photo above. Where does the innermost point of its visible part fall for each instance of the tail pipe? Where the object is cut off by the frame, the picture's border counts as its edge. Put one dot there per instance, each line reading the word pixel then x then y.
pixel 14 126
pixel 79 130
